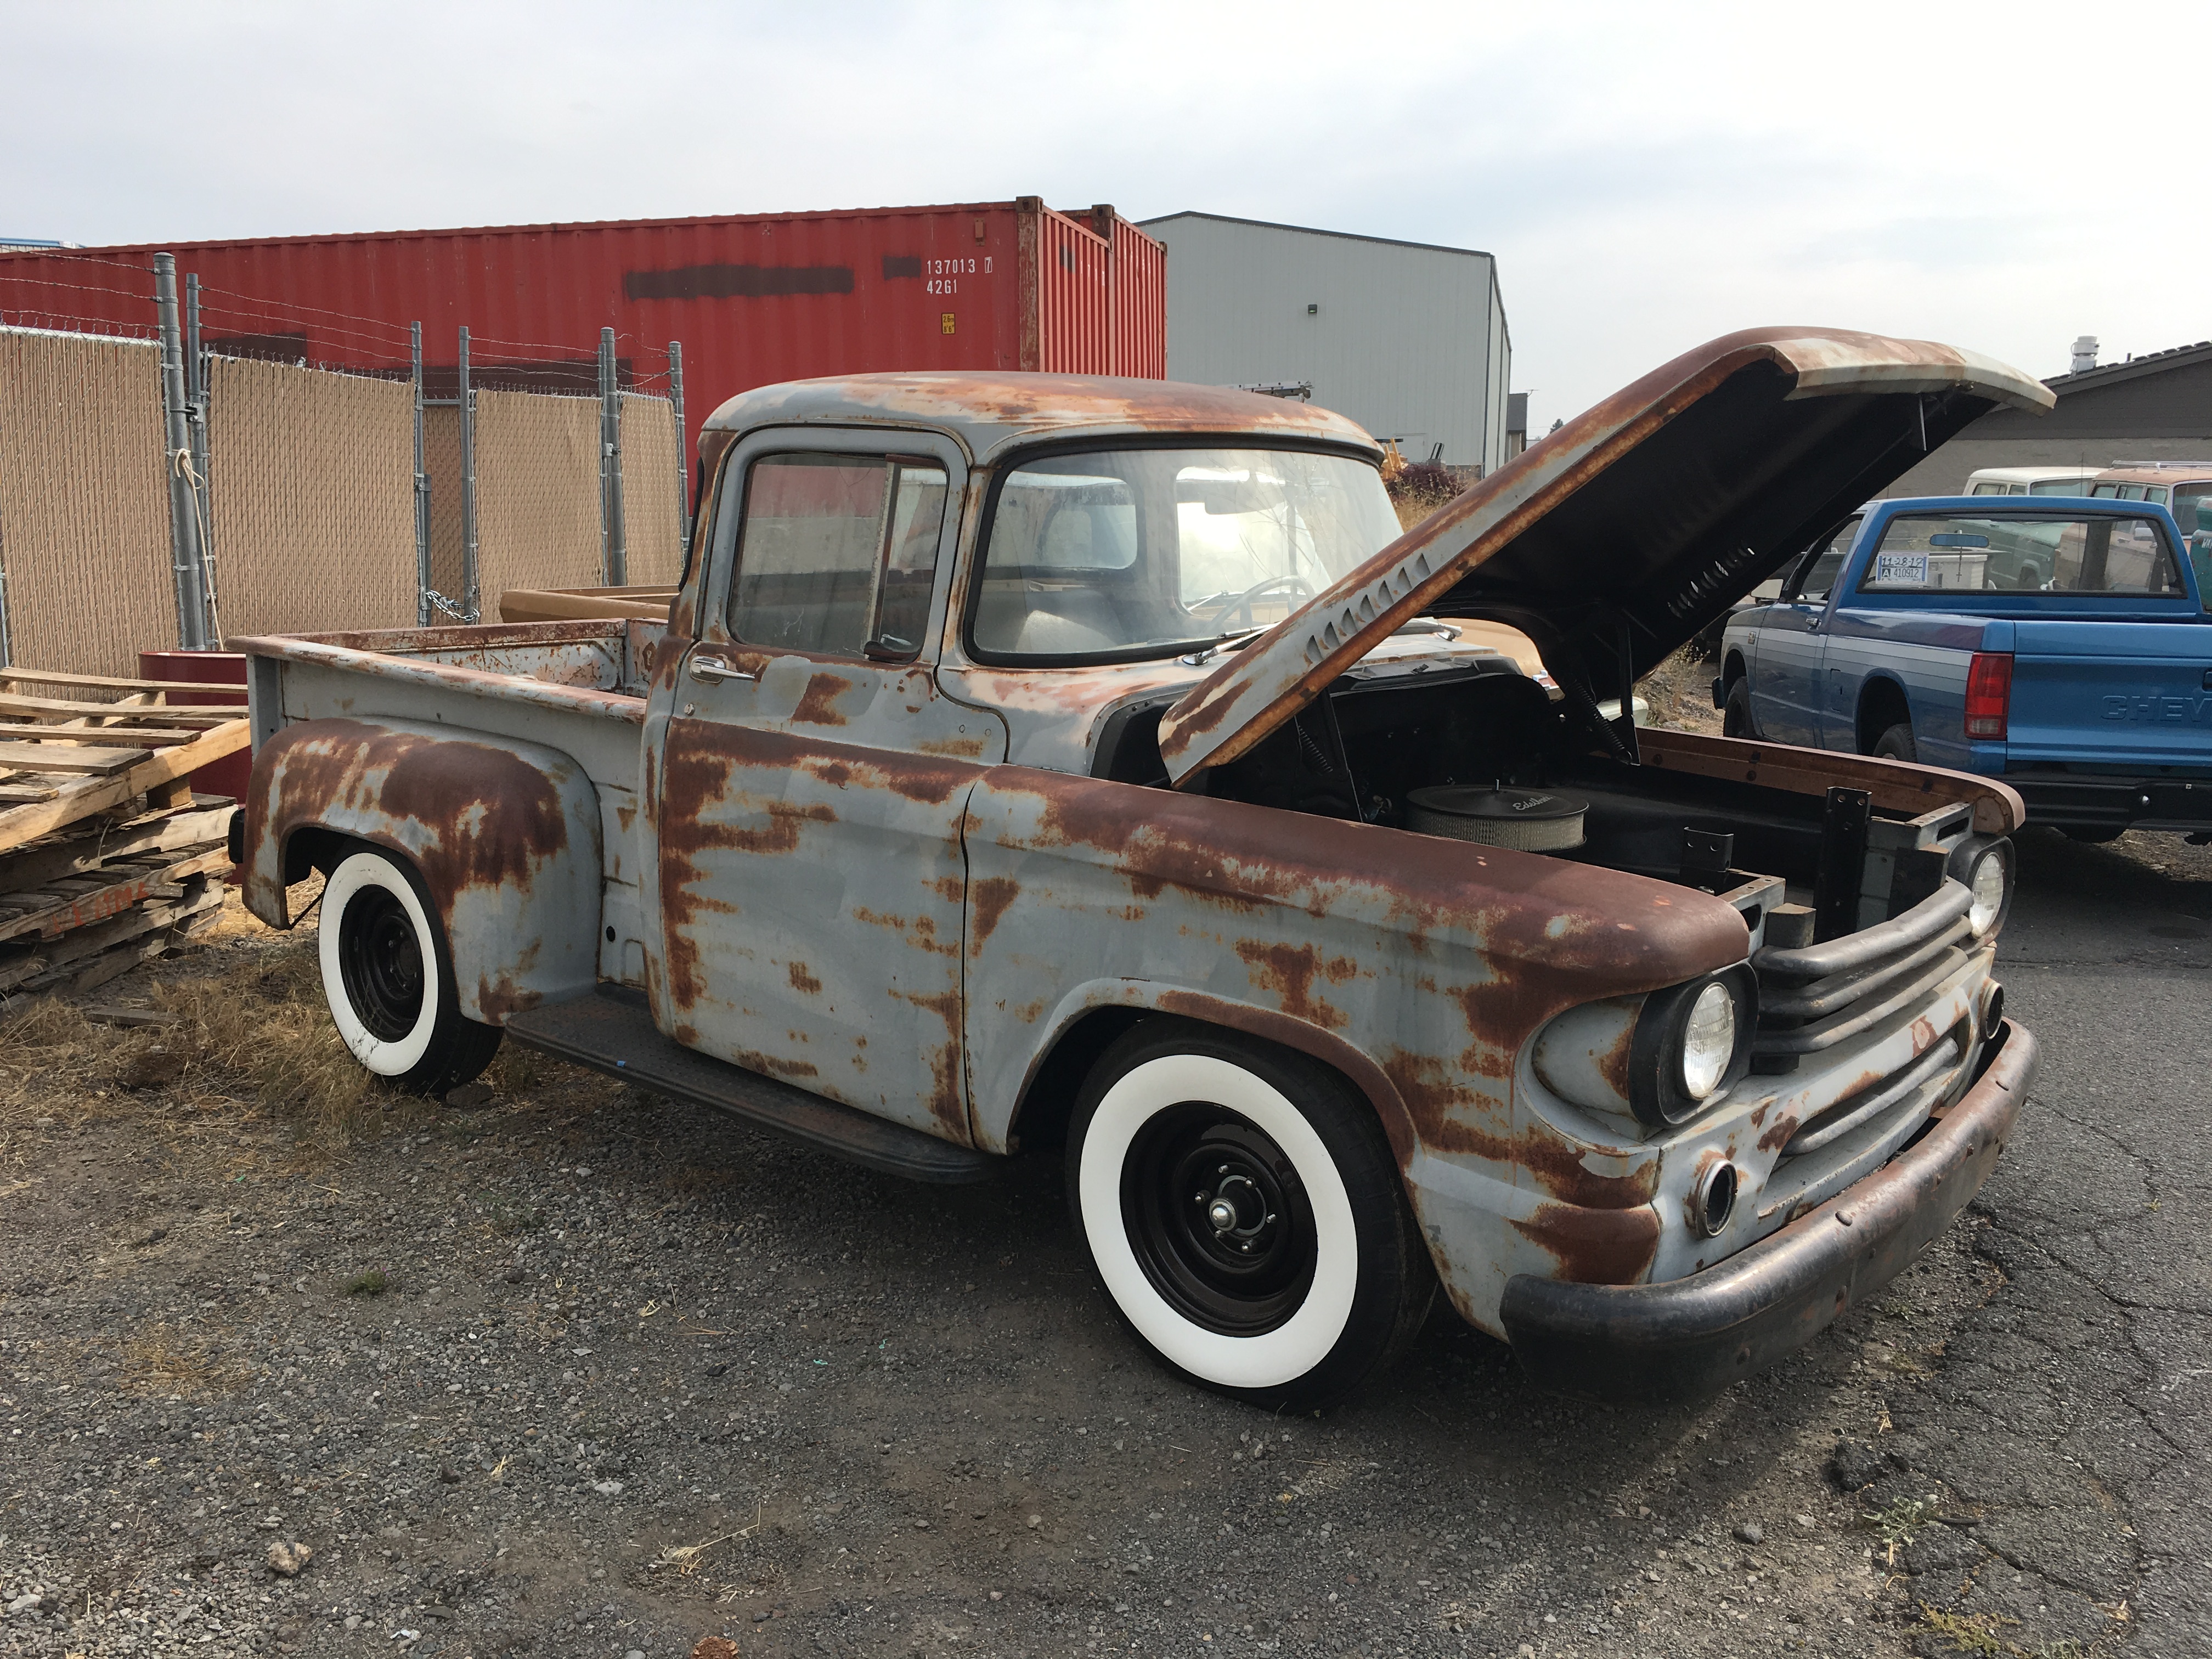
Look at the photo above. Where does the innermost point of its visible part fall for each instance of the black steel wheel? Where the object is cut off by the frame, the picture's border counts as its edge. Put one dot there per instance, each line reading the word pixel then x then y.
pixel 380 961
pixel 1219 1220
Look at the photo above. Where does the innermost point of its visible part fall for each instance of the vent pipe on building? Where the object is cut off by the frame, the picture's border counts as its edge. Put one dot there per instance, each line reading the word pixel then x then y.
pixel 2085 352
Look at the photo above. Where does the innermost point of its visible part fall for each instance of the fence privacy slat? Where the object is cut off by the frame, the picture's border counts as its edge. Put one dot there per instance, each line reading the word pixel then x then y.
pixel 653 530
pixel 84 504
pixel 538 493
pixel 312 476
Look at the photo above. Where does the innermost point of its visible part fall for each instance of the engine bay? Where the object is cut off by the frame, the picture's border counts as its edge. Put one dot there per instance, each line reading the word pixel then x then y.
pixel 1799 866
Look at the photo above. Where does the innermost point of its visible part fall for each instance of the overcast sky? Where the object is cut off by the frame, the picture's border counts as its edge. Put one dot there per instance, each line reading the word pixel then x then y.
pixel 2001 177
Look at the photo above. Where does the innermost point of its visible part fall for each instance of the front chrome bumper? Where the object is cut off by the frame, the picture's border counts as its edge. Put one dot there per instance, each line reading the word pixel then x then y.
pixel 1691 1336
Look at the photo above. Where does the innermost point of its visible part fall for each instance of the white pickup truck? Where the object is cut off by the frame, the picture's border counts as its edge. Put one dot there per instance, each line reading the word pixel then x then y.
pixel 1044 762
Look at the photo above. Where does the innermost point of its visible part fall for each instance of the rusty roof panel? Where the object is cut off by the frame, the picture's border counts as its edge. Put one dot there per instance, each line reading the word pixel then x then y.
pixel 988 411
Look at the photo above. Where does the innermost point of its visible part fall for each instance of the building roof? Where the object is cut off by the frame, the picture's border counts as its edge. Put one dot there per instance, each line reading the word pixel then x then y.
pixel 2150 364
pixel 1146 226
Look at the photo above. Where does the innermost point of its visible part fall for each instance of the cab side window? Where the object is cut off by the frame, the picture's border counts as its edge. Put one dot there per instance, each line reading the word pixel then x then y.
pixel 1817 571
pixel 837 555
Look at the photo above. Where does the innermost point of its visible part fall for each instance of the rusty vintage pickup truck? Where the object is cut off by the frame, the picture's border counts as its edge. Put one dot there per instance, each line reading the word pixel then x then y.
pixel 1035 763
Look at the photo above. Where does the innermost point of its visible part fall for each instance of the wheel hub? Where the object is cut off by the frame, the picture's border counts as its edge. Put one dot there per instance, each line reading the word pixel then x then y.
pixel 381 960
pixel 1219 1220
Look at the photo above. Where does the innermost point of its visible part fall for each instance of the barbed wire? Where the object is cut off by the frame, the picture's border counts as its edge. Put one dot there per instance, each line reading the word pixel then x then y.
pixel 76 258
pixel 39 322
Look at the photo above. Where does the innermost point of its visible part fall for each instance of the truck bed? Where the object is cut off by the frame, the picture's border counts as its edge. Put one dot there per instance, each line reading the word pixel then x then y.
pixel 574 687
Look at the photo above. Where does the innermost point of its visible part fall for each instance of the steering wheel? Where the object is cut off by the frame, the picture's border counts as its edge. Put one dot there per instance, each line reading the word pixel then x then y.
pixel 1300 589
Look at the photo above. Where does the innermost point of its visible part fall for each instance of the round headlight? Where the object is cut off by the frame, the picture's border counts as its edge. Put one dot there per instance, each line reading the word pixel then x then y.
pixel 1692 1041
pixel 1988 888
pixel 1983 863
pixel 1708 1041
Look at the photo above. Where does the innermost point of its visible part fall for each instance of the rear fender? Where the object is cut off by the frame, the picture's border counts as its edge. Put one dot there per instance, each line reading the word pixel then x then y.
pixel 505 835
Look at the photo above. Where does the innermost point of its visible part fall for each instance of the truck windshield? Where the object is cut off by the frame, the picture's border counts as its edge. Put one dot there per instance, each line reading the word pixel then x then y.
pixel 2055 554
pixel 1123 554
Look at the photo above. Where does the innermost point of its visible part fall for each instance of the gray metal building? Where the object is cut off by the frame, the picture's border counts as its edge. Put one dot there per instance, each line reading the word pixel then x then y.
pixel 1408 340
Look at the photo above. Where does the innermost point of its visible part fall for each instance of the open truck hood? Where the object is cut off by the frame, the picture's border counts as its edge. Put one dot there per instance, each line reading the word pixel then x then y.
pixel 1616 539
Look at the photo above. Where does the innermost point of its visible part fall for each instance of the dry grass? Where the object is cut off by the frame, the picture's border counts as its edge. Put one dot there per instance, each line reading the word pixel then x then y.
pixel 1680 693
pixel 165 1361
pixel 1412 507
pixel 253 1025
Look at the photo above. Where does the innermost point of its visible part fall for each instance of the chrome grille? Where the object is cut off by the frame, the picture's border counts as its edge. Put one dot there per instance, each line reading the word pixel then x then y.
pixel 1812 996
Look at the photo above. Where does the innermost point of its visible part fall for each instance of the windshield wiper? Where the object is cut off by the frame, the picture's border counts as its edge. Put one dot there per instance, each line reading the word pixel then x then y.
pixel 1213 647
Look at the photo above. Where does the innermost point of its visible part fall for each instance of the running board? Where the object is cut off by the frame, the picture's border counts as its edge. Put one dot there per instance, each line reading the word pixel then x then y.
pixel 612 1031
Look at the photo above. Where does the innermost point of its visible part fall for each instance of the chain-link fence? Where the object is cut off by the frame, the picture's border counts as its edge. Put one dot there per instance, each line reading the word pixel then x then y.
pixel 85 576
pixel 303 513
pixel 652 490
pixel 311 499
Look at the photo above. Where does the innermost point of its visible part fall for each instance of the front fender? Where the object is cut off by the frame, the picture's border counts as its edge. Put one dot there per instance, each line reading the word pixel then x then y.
pixel 505 835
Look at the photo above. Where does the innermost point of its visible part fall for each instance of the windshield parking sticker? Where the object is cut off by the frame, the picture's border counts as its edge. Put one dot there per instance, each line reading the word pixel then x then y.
pixel 1903 567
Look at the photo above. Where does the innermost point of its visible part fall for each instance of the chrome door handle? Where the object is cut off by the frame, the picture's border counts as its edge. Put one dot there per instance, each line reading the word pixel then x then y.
pixel 711 669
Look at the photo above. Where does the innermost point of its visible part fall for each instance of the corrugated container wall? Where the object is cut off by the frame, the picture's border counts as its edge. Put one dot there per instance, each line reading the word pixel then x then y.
pixel 754 298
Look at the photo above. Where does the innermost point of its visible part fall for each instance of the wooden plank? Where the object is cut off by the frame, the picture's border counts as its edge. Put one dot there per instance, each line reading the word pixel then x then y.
pixel 16 792
pixel 135 737
pixel 141 713
pixel 1895 785
pixel 66 757
pixel 95 846
pixel 161 767
pixel 83 906
pixel 108 683
pixel 103 1016
pixel 113 963
pixel 138 737
pixel 39 966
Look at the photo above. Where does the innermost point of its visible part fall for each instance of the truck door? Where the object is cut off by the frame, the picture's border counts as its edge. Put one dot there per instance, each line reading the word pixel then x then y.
pixel 1785 700
pixel 812 779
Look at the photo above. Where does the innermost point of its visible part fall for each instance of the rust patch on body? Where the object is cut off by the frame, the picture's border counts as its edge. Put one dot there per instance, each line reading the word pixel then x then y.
pixel 770 1066
pixel 501 1000
pixel 1289 971
pixel 804 983
pixel 1442 1110
pixel 1596 1246
pixel 818 706
pixel 993 894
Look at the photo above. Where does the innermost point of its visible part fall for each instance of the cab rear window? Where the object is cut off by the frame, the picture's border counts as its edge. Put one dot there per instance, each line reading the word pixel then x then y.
pixel 2083 556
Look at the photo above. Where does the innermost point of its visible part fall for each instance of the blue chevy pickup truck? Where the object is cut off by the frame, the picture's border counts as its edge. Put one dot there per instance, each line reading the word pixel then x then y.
pixel 2063 647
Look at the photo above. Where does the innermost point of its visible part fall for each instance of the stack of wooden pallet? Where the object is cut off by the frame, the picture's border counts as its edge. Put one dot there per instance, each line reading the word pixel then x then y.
pixel 106 856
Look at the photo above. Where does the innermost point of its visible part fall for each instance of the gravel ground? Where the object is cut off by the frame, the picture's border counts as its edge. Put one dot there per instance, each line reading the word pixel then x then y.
pixel 579 1373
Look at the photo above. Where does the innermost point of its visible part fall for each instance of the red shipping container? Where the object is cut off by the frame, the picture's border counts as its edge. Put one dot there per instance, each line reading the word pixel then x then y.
pixel 754 298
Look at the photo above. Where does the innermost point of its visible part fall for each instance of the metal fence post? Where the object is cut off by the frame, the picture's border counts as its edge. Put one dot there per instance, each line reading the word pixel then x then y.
pixel 683 468
pixel 471 597
pixel 422 587
pixel 197 402
pixel 614 552
pixel 184 509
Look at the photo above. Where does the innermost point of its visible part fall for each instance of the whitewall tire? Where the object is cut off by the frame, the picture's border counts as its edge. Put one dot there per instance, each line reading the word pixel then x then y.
pixel 389 980
pixel 1244 1213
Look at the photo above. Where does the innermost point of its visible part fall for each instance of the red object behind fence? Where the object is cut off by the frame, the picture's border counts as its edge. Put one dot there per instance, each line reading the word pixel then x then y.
pixel 754 298
pixel 229 775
